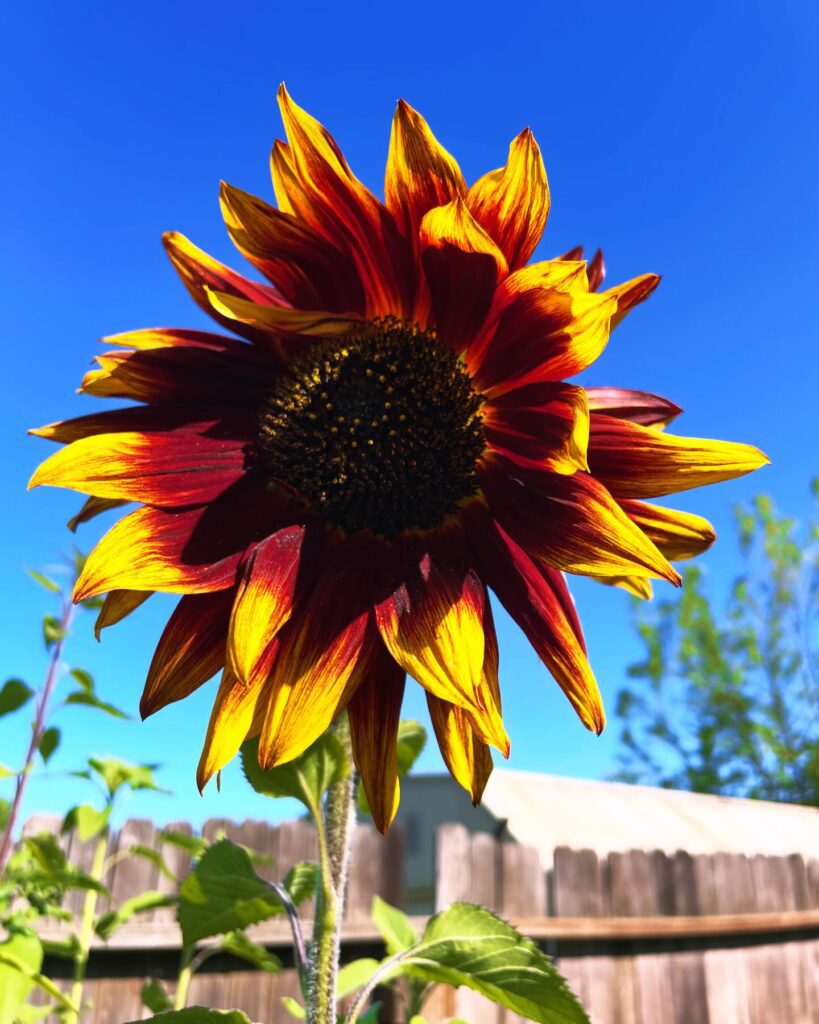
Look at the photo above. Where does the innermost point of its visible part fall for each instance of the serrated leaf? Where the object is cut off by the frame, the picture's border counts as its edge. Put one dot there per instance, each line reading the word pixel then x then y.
pixel 393 925
pixel 198 1015
pixel 238 944
pixel 14 695
pixel 44 581
pixel 108 923
pixel 49 741
pixel 90 700
pixel 293 1007
pixel 115 773
pixel 468 945
pixel 301 881
pixel 412 738
pixel 154 996
pixel 87 821
pixel 223 894
pixel 307 778
pixel 354 975
pixel 84 678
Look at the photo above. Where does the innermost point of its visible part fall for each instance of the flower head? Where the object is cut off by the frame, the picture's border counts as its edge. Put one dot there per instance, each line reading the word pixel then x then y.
pixel 384 434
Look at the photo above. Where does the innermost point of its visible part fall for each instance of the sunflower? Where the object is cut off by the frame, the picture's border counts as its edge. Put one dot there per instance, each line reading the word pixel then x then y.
pixel 386 433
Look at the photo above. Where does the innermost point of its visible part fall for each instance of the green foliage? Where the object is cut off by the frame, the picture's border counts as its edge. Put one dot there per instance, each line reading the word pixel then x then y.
pixel 725 702
pixel 468 945
pixel 199 1015
pixel 114 774
pixel 87 820
pixel 49 741
pixel 91 700
pixel 21 956
pixel 108 923
pixel 307 778
pixel 394 925
pixel 223 894
pixel 239 945
pixel 154 996
pixel 14 695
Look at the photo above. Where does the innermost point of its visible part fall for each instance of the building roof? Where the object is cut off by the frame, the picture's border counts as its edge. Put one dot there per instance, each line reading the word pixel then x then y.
pixel 546 811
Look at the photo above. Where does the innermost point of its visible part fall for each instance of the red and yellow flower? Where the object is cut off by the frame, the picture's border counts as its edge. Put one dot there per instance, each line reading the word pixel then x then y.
pixel 385 434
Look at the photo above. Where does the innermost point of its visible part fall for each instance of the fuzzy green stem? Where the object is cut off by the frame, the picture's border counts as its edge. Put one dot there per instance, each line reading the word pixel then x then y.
pixel 183 982
pixel 334 833
pixel 86 932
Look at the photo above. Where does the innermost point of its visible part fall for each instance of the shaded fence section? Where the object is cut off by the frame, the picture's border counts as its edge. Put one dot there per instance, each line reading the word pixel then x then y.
pixel 643 937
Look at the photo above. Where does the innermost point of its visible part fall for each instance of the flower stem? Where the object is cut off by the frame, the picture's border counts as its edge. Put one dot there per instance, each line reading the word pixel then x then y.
pixel 52 675
pixel 86 929
pixel 334 830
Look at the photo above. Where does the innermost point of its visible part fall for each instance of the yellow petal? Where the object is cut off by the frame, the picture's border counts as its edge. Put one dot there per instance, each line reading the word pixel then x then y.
pixel 465 755
pixel 230 724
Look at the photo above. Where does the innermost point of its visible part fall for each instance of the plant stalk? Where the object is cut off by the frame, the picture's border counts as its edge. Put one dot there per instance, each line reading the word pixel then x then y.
pixel 52 675
pixel 334 830
pixel 183 981
pixel 86 929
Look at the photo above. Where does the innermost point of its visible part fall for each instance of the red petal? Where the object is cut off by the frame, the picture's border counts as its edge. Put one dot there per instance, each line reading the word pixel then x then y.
pixel 636 406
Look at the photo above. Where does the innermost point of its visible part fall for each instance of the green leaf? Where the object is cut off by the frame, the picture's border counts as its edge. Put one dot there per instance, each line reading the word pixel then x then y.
pixel 241 946
pixel 307 778
pixel 90 700
pixel 108 923
pixel 293 1007
pixel 115 773
pixel 6 773
pixel 21 957
pixel 54 868
pixel 370 1015
pixel 87 820
pixel 412 738
pixel 85 679
pixel 394 926
pixel 468 945
pixel 52 631
pixel 194 845
pixel 5 812
pixel 154 996
pixel 223 894
pixel 44 581
pixel 154 856
pixel 14 695
pixel 302 880
pixel 354 975
pixel 49 742
pixel 198 1015
pixel 29 1014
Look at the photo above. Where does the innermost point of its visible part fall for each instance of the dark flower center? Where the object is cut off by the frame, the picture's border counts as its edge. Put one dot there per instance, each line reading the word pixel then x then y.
pixel 376 431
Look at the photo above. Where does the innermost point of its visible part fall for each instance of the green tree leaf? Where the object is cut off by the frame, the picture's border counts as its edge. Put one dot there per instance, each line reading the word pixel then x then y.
pixel 223 894
pixel 84 678
pixel 468 945
pixel 194 845
pixel 91 700
pixel 154 856
pixel 87 820
pixel 115 774
pixel 107 924
pixel 44 581
pixel 14 695
pixel 154 996
pixel 307 778
pixel 301 881
pixel 52 631
pixel 394 925
pixel 198 1015
pixel 238 944
pixel 293 1007
pixel 49 741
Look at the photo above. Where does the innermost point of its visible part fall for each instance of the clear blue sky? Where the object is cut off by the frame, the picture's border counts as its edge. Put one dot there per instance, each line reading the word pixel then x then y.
pixel 682 137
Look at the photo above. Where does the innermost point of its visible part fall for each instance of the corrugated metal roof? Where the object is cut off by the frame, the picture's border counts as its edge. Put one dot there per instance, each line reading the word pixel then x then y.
pixel 546 811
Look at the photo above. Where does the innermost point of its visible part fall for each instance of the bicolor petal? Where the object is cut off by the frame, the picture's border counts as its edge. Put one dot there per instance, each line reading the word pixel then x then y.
pixel 467 757
pixel 117 605
pixel 512 203
pixel 543 425
pixel 679 535
pixel 374 713
pixel 571 523
pixel 630 294
pixel 640 462
pixel 231 723
pixel 637 406
pixel 190 651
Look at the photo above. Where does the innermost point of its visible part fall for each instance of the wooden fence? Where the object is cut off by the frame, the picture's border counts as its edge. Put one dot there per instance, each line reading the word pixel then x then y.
pixel 643 937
